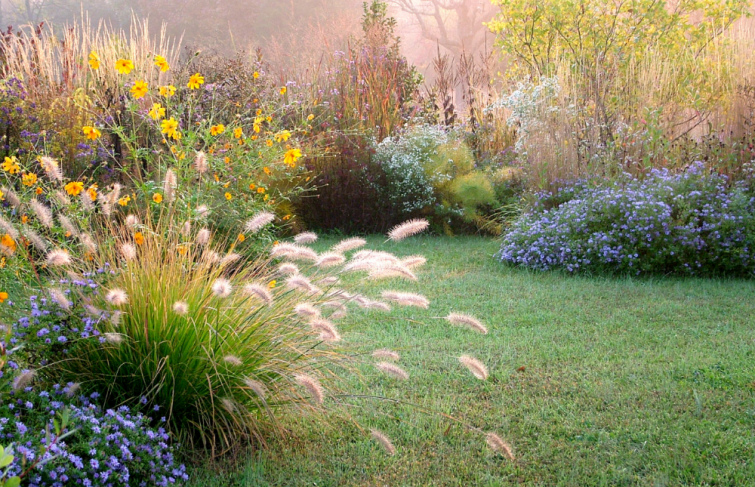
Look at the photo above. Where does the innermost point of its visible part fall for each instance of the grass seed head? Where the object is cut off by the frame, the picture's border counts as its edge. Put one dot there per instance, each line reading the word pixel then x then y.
pixel 306 238
pixel 349 244
pixel 498 445
pixel 407 229
pixel 468 321
pixel 393 370
pixel 384 441
pixel 312 386
pixel 477 368
pixel 259 221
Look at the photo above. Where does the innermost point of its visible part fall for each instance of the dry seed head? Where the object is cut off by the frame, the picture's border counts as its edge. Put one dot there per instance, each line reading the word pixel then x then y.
pixel 128 251
pixel 73 389
pixel 93 311
pixel 407 229
pixel 211 257
pixel 86 201
pixel 115 319
pixel 386 354
pixel 200 162
pixel 414 261
pixel 392 369
pixel 328 332
pixel 114 195
pixel 468 321
pixel 180 307
pixel 307 310
pixel 132 221
pixel 51 167
pixel 304 253
pixel 306 238
pixel 170 183
pixel 288 268
pixel 43 213
pixel 61 198
pixel 378 305
pixel 186 228
pixel 36 240
pixel 233 360
pixel 312 386
pixel 329 280
pixel 202 211
pixel 349 244
pixel 477 368
pixel 498 445
pixel 88 243
pixel 330 259
pixel 230 259
pixel 58 257
pixel 114 338
pixel 392 271
pixel 107 209
pixel 203 237
pixel 407 299
pixel 8 228
pixel 259 291
pixel 222 288
pixel 23 380
pixel 384 441
pixel 338 314
pixel 68 225
pixel 60 298
pixel 117 297
pixel 259 221
pixel 11 197
pixel 257 386
pixel 301 283
pixel 228 405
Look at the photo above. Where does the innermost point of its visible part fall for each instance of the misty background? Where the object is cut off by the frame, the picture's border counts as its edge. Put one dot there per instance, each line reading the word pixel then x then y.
pixel 291 33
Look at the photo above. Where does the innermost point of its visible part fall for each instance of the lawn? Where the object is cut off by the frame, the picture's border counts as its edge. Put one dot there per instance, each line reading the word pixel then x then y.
pixel 593 380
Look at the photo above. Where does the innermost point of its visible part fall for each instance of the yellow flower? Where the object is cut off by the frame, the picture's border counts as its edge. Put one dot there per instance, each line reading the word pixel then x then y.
pixel 124 66
pixel 260 190
pixel 252 186
pixel 170 128
pixel 2 196
pixel 8 242
pixel 256 75
pixel 310 117
pixel 283 90
pixel 267 170
pixel 3 296
pixel 94 60
pixel 139 238
pixel 259 112
pixel 10 164
pixel 38 191
pixel 92 133
pixel 29 179
pixel 217 129
pixel 74 188
pixel 24 219
pixel 238 132
pixel 227 160
pixel 92 192
pixel 157 112
pixel 195 81
pixel 182 249
pixel 241 237
pixel 162 63
pixel 269 142
pixel 139 89
pixel 167 91
pixel 157 198
pixel 272 284
pixel 292 156
pixel 124 201
pixel 228 196
pixel 282 136
pixel 266 197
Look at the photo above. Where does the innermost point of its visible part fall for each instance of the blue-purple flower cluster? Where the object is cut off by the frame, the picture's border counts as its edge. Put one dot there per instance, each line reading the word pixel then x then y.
pixel 106 448
pixel 692 223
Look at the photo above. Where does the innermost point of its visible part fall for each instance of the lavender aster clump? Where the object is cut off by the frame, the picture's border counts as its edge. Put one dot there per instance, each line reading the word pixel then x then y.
pixel 693 223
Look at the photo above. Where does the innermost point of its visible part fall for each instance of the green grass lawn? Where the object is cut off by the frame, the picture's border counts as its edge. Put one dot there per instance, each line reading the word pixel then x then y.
pixel 594 381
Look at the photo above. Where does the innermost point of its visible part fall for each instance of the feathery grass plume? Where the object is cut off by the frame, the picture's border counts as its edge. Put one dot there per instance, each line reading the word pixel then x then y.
pixel 288 268
pixel 283 249
pixel 328 331
pixel 8 228
pixel 406 299
pixel 68 225
pixel 51 167
pixel 180 307
pixel 233 360
pixel 477 368
pixel 202 211
pixel 61 198
pixel 392 271
pixel 349 244
pixel 107 209
pixel 60 298
pixel 304 253
pixel 36 240
pixel 116 297
pixel 329 280
pixel 384 441
pixel 203 236
pixel 58 257
pixel 407 229
pixel 222 287
pixel 330 259
pixel 44 215
pixel 11 197
pixel 228 405
pixel 468 321
pixel 307 310
pixel 115 318
pixel 132 221
pixel 86 201
pixel 200 162
pixel 256 386
pixel 392 369
pixel 128 251
pixel 211 257
pixel 259 221
pixel 414 261
pixel 376 256
pixel 229 259
pixel 72 390
pixel 302 283
pixel 498 445
pixel 333 304
pixel 23 380
pixel 114 195
pixel 170 183
pixel 114 338
pixel 259 291
pixel 88 242
pixel 93 311
pixel 386 354
pixel 378 305
pixel 186 229
pixel 312 386
pixel 306 238
pixel 338 314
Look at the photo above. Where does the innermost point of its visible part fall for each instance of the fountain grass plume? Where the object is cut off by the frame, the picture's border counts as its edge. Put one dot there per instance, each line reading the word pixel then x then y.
pixel 384 441
pixel 468 321
pixel 477 368
pixel 407 229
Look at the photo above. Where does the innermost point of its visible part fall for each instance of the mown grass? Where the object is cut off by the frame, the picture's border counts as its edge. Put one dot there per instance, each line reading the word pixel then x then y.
pixel 594 381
